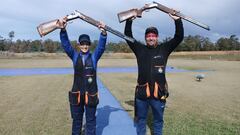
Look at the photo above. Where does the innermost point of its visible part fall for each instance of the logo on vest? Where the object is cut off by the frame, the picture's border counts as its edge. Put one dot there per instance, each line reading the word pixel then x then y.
pixel 88 67
pixel 160 70
pixel 158 56
pixel 90 80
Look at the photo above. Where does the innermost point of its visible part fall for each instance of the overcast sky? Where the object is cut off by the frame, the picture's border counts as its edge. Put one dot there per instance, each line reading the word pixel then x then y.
pixel 23 16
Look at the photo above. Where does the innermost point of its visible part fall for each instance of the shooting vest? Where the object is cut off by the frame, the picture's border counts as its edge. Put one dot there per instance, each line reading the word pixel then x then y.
pixel 84 76
pixel 152 66
pixel 158 69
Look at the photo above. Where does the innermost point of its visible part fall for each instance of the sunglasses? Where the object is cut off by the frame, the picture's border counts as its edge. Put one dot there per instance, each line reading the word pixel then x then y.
pixel 85 43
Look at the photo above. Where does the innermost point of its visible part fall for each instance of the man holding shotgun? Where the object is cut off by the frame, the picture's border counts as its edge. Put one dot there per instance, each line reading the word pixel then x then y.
pixel 152 88
pixel 84 93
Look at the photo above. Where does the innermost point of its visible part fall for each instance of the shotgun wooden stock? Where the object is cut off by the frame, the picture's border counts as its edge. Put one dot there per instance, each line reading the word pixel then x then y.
pixel 47 27
pixel 133 13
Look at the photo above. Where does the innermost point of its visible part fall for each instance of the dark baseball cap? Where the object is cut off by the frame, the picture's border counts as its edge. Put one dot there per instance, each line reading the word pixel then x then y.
pixel 84 38
pixel 151 30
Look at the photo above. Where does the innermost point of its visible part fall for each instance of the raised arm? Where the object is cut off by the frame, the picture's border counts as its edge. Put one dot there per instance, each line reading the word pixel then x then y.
pixel 178 37
pixel 128 32
pixel 66 43
pixel 100 47
pixel 101 43
pixel 62 23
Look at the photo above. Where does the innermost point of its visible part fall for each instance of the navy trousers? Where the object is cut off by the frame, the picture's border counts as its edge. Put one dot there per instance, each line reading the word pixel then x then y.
pixel 77 112
pixel 157 110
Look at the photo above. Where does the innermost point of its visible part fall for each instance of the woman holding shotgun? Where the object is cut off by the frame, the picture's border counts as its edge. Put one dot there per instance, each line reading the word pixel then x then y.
pixel 84 94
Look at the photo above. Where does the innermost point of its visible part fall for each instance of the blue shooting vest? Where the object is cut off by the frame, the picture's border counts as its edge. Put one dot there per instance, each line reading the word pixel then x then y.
pixel 84 76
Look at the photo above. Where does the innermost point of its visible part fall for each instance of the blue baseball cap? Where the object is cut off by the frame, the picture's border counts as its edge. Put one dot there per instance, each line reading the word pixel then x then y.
pixel 84 38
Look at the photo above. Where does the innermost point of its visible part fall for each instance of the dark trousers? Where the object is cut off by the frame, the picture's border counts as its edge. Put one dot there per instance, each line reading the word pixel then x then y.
pixel 157 110
pixel 77 112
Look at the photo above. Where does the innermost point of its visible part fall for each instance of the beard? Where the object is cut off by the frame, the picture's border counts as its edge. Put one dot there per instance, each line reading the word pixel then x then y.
pixel 152 45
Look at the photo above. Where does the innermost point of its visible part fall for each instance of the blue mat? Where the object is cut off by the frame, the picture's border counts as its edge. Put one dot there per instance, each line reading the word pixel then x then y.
pixel 112 119
pixel 57 71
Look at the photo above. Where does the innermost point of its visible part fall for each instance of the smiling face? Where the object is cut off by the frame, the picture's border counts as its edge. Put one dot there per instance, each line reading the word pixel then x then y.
pixel 151 39
pixel 84 46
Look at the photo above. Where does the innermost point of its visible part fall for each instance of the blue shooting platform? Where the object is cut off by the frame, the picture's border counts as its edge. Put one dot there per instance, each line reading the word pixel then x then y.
pixel 112 119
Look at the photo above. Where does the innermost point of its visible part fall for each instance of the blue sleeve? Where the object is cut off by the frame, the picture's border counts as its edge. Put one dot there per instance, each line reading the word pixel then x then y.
pixel 100 47
pixel 66 43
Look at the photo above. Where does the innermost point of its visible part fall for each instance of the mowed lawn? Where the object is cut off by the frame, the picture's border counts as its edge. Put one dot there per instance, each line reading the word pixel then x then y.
pixel 35 105
pixel 39 104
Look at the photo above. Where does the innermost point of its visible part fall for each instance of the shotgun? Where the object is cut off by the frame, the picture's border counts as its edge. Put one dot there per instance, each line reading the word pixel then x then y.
pixel 50 26
pixel 133 13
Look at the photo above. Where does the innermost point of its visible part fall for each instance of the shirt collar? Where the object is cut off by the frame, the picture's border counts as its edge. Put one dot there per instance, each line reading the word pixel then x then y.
pixel 87 53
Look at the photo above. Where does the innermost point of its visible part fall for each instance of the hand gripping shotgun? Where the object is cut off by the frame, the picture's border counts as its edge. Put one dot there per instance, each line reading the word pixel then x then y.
pixel 133 13
pixel 47 27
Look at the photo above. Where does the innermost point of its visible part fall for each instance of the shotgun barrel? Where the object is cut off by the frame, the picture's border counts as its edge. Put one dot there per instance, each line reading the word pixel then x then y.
pixel 107 28
pixel 173 12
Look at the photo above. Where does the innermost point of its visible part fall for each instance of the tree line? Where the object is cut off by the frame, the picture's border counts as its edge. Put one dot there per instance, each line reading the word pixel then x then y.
pixel 190 43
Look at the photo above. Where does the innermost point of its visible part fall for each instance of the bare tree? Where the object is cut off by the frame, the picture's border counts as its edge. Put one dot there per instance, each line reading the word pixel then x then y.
pixel 2 48
pixel 11 36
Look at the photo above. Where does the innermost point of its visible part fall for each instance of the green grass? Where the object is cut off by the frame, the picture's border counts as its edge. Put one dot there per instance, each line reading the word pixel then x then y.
pixel 32 105
pixel 228 57
pixel 193 124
